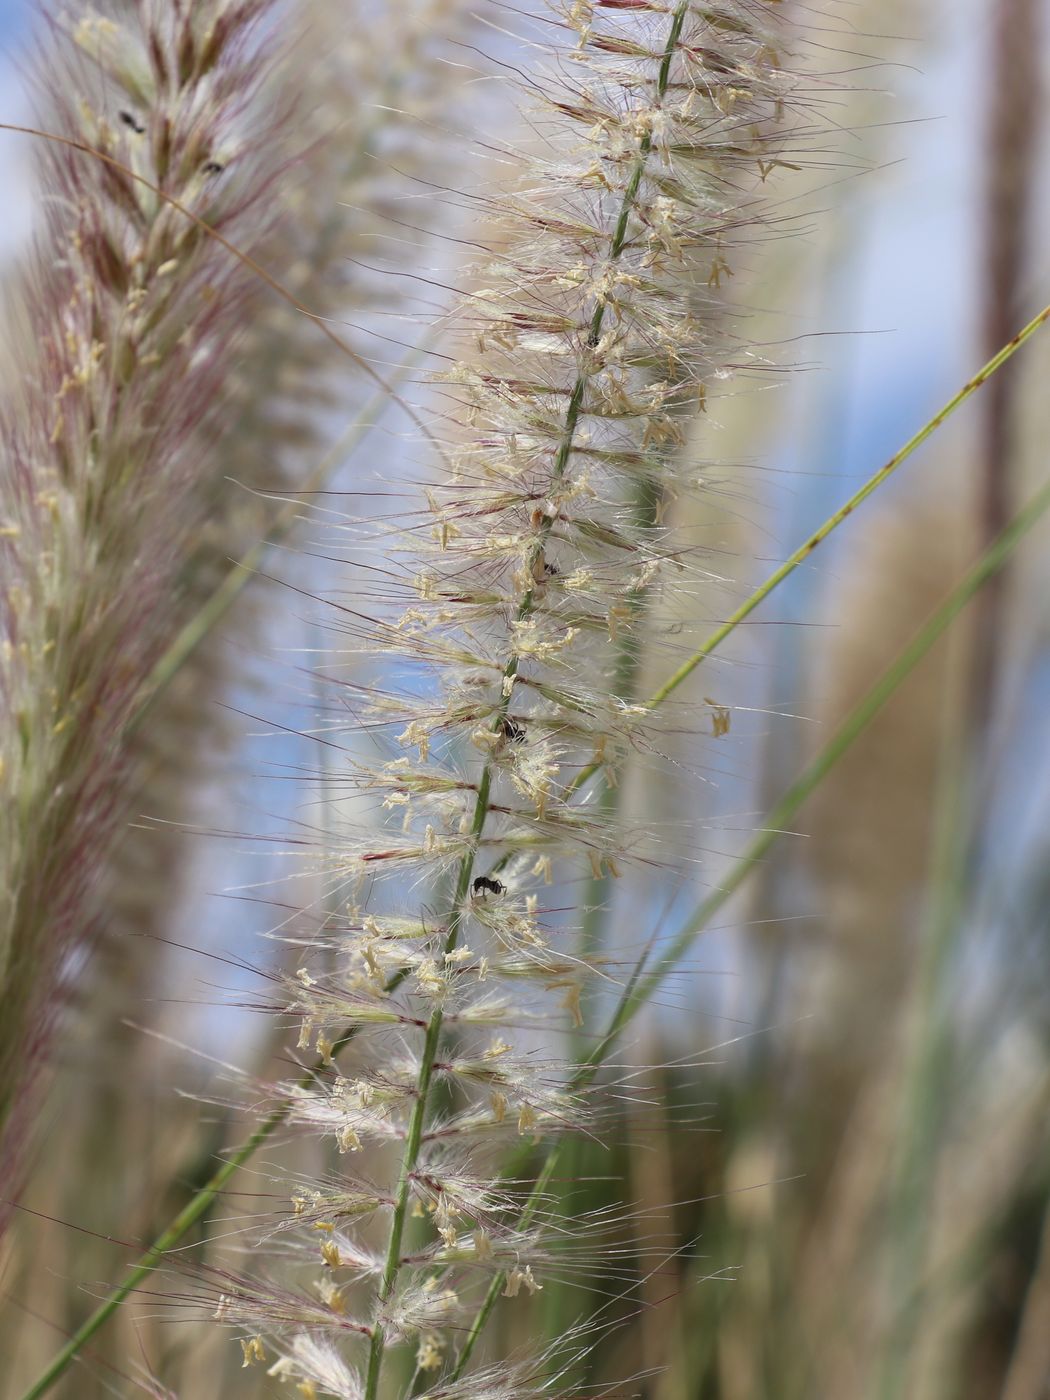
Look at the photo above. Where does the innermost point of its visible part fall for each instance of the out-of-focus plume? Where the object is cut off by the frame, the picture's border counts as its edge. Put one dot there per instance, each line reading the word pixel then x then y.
pixel 134 313
pixel 358 142
pixel 871 886
pixel 358 146
pixel 1010 164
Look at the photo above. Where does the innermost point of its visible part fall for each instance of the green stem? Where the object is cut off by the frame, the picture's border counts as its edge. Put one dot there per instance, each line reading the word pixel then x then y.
pixel 775 579
pixel 646 509
pixel 413 1142
pixel 927 1077
pixel 512 1169
pixel 414 1139
pixel 526 607
pixel 641 989
pixel 496 1286
pixel 184 1221
pixel 842 740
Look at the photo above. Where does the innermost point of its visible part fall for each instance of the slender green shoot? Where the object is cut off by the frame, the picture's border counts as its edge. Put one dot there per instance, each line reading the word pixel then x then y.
pixel 845 736
pixel 193 1211
pixel 800 555
pixel 642 989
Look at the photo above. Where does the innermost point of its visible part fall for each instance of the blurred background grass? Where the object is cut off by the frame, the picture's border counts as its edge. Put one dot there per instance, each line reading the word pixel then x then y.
pixel 851 1116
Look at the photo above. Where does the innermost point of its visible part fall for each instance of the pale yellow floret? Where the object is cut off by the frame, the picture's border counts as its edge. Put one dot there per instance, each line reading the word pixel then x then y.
pixel 348 1140
pixel 571 1002
pixel 521 1278
pixel 430 1354
pixel 253 1351
pixel 543 869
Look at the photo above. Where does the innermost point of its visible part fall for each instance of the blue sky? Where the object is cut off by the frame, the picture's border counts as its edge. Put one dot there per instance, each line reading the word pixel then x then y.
pixel 13 15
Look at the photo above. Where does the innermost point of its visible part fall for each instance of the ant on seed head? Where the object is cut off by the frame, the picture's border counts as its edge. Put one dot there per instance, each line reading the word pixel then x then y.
pixel 129 119
pixel 213 168
pixel 483 885
pixel 512 730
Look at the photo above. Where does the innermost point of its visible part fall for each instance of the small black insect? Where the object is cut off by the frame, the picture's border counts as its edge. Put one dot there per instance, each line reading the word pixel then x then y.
pixel 551 570
pixel 512 730
pixel 130 119
pixel 213 168
pixel 483 885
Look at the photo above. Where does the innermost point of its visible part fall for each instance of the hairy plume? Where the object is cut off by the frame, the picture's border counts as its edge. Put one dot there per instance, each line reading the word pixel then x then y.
pixel 596 326
pixel 135 312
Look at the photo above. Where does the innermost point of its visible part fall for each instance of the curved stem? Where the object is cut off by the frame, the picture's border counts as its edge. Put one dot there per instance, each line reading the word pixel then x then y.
pixel 193 1211
pixel 641 989
pixel 847 733
pixel 800 555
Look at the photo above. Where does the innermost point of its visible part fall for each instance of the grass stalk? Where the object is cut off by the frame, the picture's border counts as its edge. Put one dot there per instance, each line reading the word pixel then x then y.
pixel 481 807
pixel 641 990
pixel 191 1213
pixel 925 1098
pixel 845 736
pixel 800 555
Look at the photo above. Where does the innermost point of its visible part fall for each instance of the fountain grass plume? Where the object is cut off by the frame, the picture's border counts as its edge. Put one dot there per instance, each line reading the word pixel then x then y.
pixel 134 314
pixel 598 326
